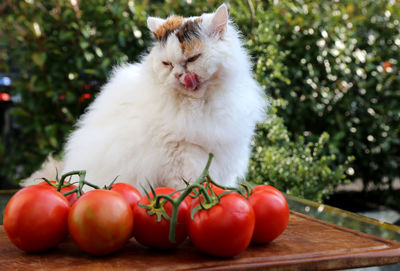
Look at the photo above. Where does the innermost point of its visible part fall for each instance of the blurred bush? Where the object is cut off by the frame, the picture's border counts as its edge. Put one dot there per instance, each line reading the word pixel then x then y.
pixel 307 55
pixel 296 166
pixel 62 53
pixel 337 72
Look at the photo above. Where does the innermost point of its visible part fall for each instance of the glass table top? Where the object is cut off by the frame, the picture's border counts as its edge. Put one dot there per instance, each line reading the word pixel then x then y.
pixel 349 220
pixel 344 218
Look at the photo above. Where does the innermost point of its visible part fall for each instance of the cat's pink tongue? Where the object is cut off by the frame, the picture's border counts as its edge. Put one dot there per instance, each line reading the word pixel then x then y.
pixel 191 81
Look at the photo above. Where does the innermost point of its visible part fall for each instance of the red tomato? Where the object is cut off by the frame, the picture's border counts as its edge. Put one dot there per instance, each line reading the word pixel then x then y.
pixel 71 197
pixel 35 218
pixel 100 222
pixel 130 193
pixel 224 230
pixel 272 213
pixel 151 233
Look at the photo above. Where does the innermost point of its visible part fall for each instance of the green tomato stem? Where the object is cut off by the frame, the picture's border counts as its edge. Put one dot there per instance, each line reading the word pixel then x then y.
pixel 156 203
pixel 158 199
pixel 238 190
pixel 61 182
pixel 91 185
pixel 70 192
pixel 205 170
pixel 48 182
pixel 111 184
pixel 82 175
pixel 81 183
pixel 176 202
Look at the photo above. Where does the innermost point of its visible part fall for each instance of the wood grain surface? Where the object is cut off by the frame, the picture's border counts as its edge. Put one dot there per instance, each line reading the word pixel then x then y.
pixel 306 244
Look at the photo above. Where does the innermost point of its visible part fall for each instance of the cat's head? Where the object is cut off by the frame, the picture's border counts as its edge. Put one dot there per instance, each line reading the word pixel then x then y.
pixel 189 53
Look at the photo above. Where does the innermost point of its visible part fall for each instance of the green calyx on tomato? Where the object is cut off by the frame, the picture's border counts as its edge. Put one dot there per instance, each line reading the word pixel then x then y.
pixel 210 200
pixel 156 205
pixel 61 183
pixel 153 232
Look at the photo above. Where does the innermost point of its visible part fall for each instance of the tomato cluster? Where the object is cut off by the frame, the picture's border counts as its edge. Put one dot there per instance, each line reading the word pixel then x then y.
pixel 37 218
pixel 220 221
pixel 229 226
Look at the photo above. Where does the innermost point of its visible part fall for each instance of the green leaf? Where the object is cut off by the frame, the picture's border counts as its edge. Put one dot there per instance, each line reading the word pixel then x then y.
pixel 39 59
pixel 19 112
pixel 90 71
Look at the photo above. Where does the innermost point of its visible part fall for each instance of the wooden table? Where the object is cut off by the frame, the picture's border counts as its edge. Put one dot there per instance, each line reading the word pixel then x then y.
pixel 306 244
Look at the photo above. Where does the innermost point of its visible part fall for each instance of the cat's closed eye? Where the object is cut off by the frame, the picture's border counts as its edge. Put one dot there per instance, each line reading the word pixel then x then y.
pixel 193 58
pixel 166 63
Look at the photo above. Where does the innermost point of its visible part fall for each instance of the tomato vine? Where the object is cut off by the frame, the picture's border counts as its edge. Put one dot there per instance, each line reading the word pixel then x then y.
pixel 200 188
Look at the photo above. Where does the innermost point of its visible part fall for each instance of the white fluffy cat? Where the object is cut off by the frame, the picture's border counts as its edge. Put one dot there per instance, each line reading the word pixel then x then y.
pixel 159 119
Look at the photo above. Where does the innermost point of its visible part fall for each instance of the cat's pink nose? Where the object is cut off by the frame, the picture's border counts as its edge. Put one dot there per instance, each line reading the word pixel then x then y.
pixel 178 75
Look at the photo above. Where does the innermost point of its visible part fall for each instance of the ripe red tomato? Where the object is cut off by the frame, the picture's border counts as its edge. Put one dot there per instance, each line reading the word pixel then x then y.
pixel 151 233
pixel 71 197
pixel 272 213
pixel 35 218
pixel 100 222
pixel 130 193
pixel 224 230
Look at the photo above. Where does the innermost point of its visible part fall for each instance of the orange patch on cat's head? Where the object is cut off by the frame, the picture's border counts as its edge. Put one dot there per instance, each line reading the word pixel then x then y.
pixel 170 25
pixel 192 47
pixel 189 37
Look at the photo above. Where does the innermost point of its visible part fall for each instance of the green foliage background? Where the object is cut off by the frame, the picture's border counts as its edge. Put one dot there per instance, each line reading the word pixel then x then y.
pixel 330 68
pixel 342 62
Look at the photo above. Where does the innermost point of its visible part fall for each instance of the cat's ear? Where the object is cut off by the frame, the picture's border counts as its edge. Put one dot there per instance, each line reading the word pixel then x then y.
pixel 153 23
pixel 219 21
